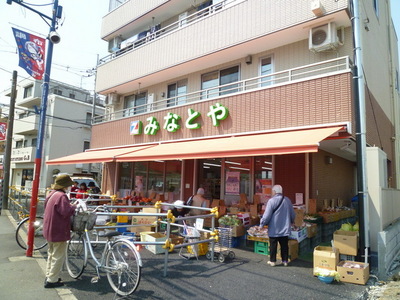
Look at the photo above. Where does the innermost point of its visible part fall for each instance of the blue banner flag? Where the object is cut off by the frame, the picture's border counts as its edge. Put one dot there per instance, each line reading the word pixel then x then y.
pixel 31 50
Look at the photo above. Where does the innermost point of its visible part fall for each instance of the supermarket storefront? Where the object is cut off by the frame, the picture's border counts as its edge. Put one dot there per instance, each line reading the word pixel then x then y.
pixel 225 166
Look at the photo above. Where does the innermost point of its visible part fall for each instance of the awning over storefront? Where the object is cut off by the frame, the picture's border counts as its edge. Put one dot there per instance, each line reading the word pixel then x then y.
pixel 288 142
pixel 94 156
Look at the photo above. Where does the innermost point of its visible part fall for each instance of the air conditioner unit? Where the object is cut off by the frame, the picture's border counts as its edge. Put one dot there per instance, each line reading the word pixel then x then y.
pixel 114 44
pixel 112 99
pixel 323 38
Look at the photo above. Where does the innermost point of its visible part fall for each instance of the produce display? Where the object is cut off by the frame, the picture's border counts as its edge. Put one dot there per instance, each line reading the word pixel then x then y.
pixel 229 220
pixel 352 265
pixel 258 232
pixel 349 227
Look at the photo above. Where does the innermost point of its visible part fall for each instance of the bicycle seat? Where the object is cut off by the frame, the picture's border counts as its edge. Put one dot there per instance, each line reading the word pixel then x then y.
pixel 110 234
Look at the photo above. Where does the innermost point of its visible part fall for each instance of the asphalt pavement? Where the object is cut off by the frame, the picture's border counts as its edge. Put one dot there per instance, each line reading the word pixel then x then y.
pixel 247 276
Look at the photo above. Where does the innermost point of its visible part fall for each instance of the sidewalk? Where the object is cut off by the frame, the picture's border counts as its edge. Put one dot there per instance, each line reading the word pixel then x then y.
pixel 22 277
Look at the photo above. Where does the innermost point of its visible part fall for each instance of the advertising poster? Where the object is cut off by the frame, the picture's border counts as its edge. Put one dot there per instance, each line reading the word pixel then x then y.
pixel 232 184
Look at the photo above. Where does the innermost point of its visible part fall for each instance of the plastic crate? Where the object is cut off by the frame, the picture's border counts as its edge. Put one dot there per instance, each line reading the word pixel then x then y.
pixel 261 248
pixel 122 229
pixel 347 257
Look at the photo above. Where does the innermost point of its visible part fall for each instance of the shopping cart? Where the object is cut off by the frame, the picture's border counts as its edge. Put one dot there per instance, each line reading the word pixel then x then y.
pixel 222 246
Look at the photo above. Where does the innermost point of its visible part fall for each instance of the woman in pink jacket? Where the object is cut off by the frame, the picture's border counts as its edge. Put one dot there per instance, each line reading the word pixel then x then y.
pixel 56 228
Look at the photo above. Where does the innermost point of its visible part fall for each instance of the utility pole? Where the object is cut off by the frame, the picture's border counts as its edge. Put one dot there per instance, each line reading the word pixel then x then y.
pixel 53 38
pixel 7 156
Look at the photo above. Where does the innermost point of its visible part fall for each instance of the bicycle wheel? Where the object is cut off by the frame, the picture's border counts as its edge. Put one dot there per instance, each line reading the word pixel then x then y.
pixel 76 258
pixel 21 234
pixel 123 266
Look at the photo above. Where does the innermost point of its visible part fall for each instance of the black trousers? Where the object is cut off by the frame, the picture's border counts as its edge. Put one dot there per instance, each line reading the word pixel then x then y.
pixel 273 248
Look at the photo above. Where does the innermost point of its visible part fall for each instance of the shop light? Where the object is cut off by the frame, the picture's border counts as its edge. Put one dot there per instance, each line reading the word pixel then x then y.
pixel 237 168
pixel 160 161
pixel 232 163
pixel 265 168
pixel 268 162
pixel 206 167
pixel 213 165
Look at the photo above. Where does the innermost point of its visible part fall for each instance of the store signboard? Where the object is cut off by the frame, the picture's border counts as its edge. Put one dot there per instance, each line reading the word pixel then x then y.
pixel 172 121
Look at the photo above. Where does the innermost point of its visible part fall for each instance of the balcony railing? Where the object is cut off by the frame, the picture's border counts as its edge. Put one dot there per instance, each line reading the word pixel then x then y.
pixel 156 32
pixel 307 72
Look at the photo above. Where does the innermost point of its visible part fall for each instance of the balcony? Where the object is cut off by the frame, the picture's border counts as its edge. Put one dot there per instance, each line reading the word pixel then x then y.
pixel 290 76
pixel 205 38
pixel 28 125
pixel 23 155
pixel 314 94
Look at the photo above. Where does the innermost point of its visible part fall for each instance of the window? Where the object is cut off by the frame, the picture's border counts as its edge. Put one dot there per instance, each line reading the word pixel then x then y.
pixel 18 144
pixel 265 70
pixel 58 92
pixel 28 91
pixel 86 145
pixel 72 96
pixel 223 77
pixel 375 3
pixel 397 83
pixel 25 143
pixel 135 104
pixel 34 142
pixel 175 90
pixel 88 118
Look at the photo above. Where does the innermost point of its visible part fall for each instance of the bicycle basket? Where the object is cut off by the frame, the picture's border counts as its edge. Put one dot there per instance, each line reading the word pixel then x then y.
pixel 83 220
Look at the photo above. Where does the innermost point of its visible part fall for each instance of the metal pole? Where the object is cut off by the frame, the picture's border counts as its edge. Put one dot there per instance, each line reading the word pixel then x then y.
pixel 10 129
pixel 42 125
pixel 361 134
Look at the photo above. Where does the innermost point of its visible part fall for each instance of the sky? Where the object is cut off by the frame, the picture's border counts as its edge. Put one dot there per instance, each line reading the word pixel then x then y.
pixel 80 44
pixel 79 29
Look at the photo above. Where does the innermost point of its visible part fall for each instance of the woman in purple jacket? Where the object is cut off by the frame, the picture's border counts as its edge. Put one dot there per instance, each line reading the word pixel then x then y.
pixel 56 228
pixel 279 215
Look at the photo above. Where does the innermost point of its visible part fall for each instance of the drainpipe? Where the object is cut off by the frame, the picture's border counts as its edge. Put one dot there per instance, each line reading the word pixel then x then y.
pixel 363 199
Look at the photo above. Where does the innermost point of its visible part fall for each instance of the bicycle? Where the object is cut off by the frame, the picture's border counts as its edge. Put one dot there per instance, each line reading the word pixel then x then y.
pixel 21 233
pixel 119 259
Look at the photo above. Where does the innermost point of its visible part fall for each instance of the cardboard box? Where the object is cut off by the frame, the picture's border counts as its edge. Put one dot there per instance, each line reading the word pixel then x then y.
pixel 298 235
pixel 176 239
pixel 312 206
pixel 350 274
pixel 154 237
pixel 254 210
pixel 245 218
pixel 145 220
pixel 139 229
pixel 346 242
pixel 299 219
pixel 238 230
pixel 326 258
pixel 311 230
pixel 293 250
pixel 254 221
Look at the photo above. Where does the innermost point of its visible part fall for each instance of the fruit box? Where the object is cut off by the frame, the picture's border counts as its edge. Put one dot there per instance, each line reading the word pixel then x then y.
pixel 293 250
pixel 353 272
pixel 326 258
pixel 346 242
pixel 155 237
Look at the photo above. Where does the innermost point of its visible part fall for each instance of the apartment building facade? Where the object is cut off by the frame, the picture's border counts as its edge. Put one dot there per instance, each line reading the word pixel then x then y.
pixel 237 95
pixel 68 130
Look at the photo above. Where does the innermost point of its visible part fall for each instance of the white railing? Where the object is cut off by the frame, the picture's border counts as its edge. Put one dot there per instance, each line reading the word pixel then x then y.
pixel 151 35
pixel 307 72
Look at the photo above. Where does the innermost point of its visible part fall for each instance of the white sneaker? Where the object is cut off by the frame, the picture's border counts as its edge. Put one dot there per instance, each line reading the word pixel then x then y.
pixel 285 264
pixel 272 264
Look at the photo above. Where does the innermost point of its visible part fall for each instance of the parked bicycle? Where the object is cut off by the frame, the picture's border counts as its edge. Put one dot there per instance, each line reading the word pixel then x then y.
pixel 119 259
pixel 21 234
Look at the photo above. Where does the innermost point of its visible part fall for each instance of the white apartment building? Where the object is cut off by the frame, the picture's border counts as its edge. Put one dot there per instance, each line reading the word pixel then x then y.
pixel 68 130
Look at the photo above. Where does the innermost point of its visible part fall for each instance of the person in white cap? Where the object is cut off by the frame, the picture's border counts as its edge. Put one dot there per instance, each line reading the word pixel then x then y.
pixel 279 215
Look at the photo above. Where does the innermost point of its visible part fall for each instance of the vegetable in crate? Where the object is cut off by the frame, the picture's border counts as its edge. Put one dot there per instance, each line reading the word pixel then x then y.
pixel 229 221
